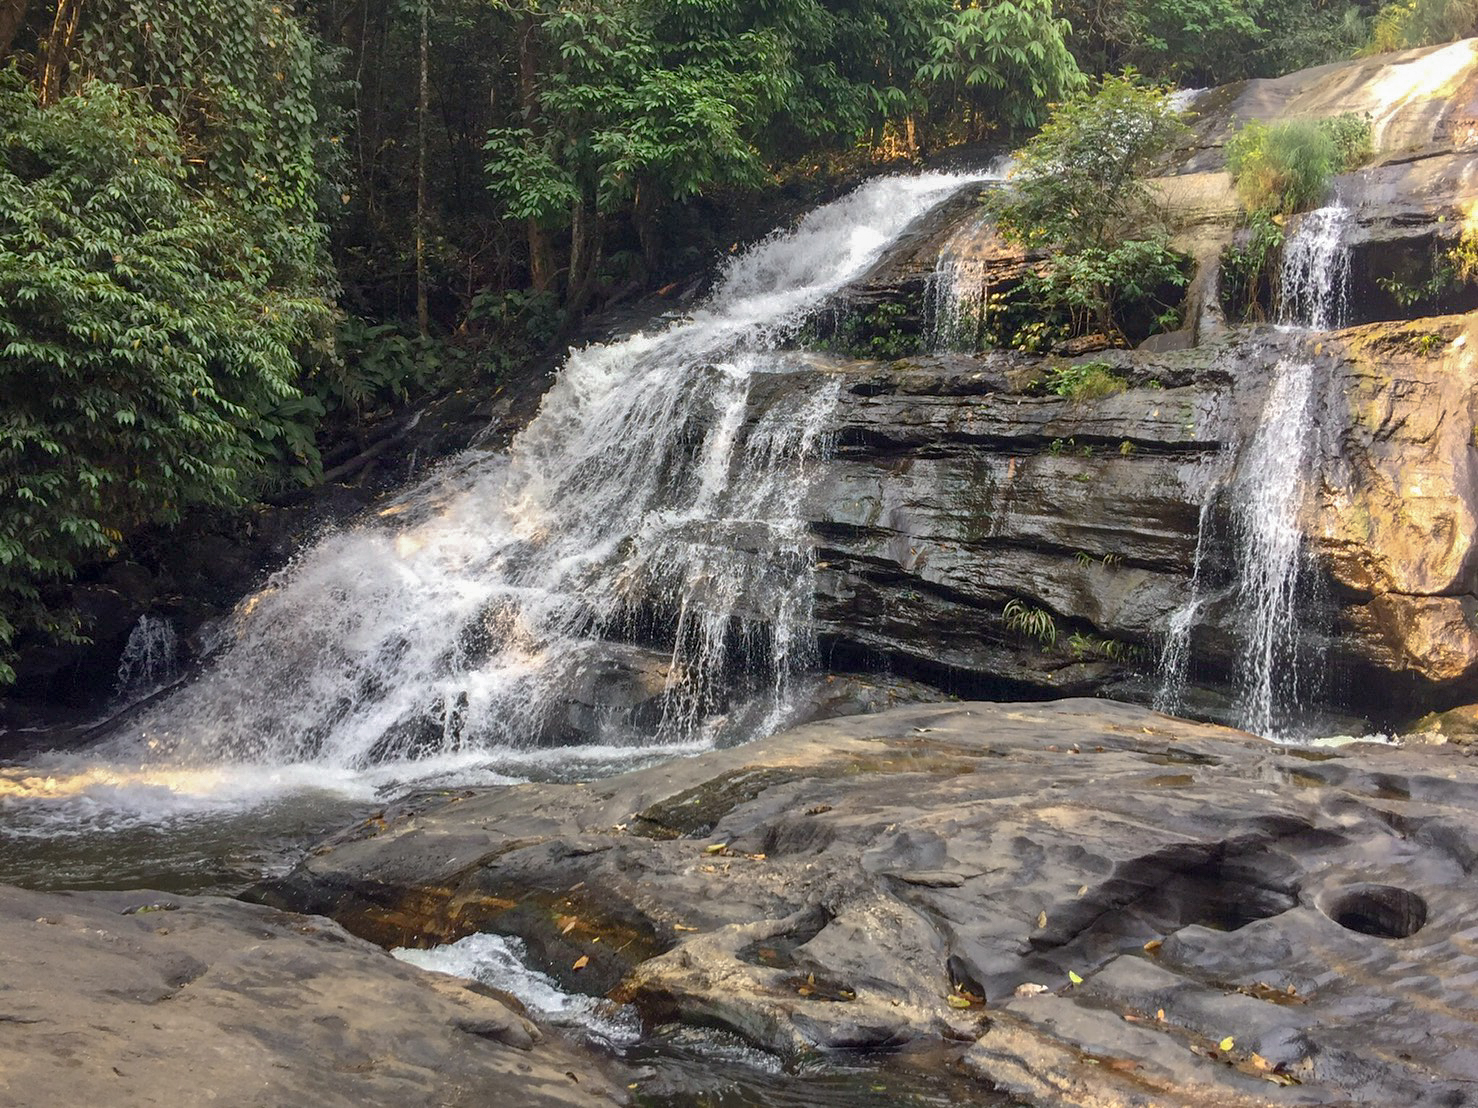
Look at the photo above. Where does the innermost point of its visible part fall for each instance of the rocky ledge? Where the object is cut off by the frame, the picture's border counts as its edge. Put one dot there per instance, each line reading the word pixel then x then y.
pixel 1097 904
pixel 143 998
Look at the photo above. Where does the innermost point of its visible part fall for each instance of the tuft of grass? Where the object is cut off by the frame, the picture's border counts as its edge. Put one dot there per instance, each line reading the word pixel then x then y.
pixel 1285 167
pixel 1036 623
pixel 1084 381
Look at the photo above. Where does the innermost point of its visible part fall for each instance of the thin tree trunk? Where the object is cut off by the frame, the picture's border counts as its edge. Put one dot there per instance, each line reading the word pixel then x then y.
pixel 58 48
pixel 423 315
pixel 541 252
pixel 12 16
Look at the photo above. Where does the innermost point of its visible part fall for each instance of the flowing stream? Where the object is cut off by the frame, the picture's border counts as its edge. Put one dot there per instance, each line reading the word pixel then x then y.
pixel 1266 493
pixel 630 581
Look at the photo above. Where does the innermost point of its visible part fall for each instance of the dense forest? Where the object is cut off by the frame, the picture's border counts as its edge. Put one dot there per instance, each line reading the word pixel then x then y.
pixel 231 229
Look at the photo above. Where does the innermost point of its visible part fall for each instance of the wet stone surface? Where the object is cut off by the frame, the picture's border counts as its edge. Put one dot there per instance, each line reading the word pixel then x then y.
pixel 1099 904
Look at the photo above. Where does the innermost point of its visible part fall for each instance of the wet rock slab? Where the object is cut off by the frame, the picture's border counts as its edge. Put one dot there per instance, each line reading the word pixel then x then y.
pixel 1104 905
pixel 142 998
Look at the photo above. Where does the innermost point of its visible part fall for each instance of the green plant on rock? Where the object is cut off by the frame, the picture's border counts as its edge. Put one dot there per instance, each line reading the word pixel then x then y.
pixel 1079 193
pixel 1285 167
pixel 1083 647
pixel 1035 623
pixel 1084 381
pixel 1249 267
pixel 1427 344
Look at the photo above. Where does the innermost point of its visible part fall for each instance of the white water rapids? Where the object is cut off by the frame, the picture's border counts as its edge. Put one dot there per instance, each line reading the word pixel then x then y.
pixel 592 597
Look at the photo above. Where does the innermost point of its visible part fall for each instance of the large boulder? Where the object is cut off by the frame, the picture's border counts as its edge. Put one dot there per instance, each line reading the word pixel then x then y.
pixel 144 998
pixel 1098 904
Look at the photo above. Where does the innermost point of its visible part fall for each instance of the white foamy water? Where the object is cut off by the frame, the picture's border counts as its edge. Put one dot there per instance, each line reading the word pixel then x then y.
pixel 150 659
pixel 502 963
pixel 1313 282
pixel 1267 514
pixel 956 292
pixel 600 596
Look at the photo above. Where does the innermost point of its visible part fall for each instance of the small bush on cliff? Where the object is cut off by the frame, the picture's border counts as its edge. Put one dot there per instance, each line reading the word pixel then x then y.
pixel 1285 167
pixel 1084 381
pixel 1248 265
pixel 1080 194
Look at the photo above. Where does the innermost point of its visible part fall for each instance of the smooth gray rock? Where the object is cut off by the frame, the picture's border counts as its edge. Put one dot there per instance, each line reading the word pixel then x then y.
pixel 1107 893
pixel 140 998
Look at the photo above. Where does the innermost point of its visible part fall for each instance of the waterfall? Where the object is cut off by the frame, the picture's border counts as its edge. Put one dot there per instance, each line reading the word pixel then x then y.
pixel 1267 496
pixel 1266 518
pixel 1313 281
pixel 150 659
pixel 639 553
pixel 1175 654
pixel 955 292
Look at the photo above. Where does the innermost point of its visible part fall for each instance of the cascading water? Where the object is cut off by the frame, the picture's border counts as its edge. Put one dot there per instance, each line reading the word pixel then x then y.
pixel 956 292
pixel 596 593
pixel 1267 497
pixel 1270 542
pixel 150 659
pixel 1314 278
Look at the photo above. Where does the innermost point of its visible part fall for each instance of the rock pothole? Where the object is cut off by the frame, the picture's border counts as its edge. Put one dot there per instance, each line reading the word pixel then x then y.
pixel 1385 911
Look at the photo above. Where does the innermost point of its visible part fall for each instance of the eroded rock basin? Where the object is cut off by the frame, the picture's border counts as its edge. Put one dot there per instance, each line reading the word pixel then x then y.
pixel 1099 904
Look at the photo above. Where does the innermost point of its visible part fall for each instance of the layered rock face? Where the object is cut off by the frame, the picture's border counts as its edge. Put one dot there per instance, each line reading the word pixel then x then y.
pixel 959 485
pixel 962 487
pixel 1099 905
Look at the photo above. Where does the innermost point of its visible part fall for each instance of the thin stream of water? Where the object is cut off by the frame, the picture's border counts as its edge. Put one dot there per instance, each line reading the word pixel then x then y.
pixel 1267 492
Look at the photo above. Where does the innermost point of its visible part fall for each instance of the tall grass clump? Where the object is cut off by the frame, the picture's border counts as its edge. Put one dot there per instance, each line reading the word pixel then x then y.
pixel 1285 167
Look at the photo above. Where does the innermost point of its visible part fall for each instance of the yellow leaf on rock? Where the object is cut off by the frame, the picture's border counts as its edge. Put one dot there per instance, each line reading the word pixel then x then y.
pixel 582 961
pixel 715 848
pixel 1226 1044
pixel 1074 978
pixel 954 1000
pixel 1042 920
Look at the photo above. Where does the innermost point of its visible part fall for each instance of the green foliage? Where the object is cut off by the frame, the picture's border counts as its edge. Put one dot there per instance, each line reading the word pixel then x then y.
pixel 1407 23
pixel 1084 647
pixel 1210 42
pixel 148 348
pixel 1429 343
pixel 1084 381
pixel 878 332
pixel 255 102
pixel 1249 266
pixel 1005 59
pixel 1285 167
pixel 1079 192
pixel 1035 623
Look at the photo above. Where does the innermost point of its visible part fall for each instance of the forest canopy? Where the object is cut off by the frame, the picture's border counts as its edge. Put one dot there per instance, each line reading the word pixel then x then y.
pixel 229 228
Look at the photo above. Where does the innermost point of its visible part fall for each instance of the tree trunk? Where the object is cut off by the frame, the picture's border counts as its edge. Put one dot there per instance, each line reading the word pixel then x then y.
pixel 541 258
pixel 57 49
pixel 12 16
pixel 585 252
pixel 423 106
pixel 541 252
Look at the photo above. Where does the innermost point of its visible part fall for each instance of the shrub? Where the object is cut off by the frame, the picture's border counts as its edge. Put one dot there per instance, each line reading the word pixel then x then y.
pixel 1084 381
pixel 1248 265
pixel 1409 23
pixel 1285 167
pixel 148 350
pixel 1079 192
